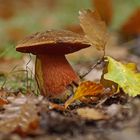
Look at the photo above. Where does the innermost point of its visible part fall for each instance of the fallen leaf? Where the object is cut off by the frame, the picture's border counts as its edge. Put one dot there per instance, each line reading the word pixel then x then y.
pixel 91 114
pixel 30 130
pixel 6 12
pixel 112 86
pixel 86 88
pixel 3 101
pixel 3 97
pixel 104 7
pixel 125 75
pixel 132 25
pixel 94 28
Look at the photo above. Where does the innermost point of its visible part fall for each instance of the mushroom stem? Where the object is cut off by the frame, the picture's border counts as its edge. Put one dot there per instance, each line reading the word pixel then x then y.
pixel 56 74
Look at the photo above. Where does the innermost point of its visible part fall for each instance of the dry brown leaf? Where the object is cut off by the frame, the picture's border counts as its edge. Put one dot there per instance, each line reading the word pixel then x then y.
pixel 132 25
pixel 3 101
pixel 15 33
pixel 94 28
pixel 104 7
pixel 6 10
pixel 19 114
pixel 51 4
pixel 3 97
pixel 74 28
pixel 86 89
pixel 91 114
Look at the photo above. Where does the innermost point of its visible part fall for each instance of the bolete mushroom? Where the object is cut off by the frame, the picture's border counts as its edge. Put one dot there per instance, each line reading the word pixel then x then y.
pixel 53 72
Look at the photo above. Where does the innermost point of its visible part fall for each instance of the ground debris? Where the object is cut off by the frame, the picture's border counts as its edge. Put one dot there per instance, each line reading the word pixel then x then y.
pixel 67 124
pixel 92 114
pixel 19 115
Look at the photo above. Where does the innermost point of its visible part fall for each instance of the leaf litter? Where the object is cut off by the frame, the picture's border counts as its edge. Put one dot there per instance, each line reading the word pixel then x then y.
pixel 19 114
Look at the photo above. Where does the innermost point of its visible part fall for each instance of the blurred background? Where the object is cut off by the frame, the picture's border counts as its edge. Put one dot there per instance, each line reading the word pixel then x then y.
pixel 20 18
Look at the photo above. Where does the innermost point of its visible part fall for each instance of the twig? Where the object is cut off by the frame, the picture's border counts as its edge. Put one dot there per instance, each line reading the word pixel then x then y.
pixel 93 67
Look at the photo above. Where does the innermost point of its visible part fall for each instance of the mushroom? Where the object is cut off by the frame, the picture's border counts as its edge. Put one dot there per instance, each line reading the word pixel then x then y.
pixel 53 72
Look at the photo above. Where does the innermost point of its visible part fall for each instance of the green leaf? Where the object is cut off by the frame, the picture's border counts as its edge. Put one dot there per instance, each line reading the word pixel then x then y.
pixel 125 75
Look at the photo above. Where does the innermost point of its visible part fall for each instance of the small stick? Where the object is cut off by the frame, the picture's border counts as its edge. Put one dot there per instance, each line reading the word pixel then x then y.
pixel 94 66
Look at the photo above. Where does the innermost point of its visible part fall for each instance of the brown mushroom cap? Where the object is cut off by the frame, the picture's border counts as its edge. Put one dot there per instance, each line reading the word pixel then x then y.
pixel 52 41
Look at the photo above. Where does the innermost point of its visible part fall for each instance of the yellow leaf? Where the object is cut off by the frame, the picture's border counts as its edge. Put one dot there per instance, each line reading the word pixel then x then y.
pixel 94 28
pixel 125 75
pixel 86 88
